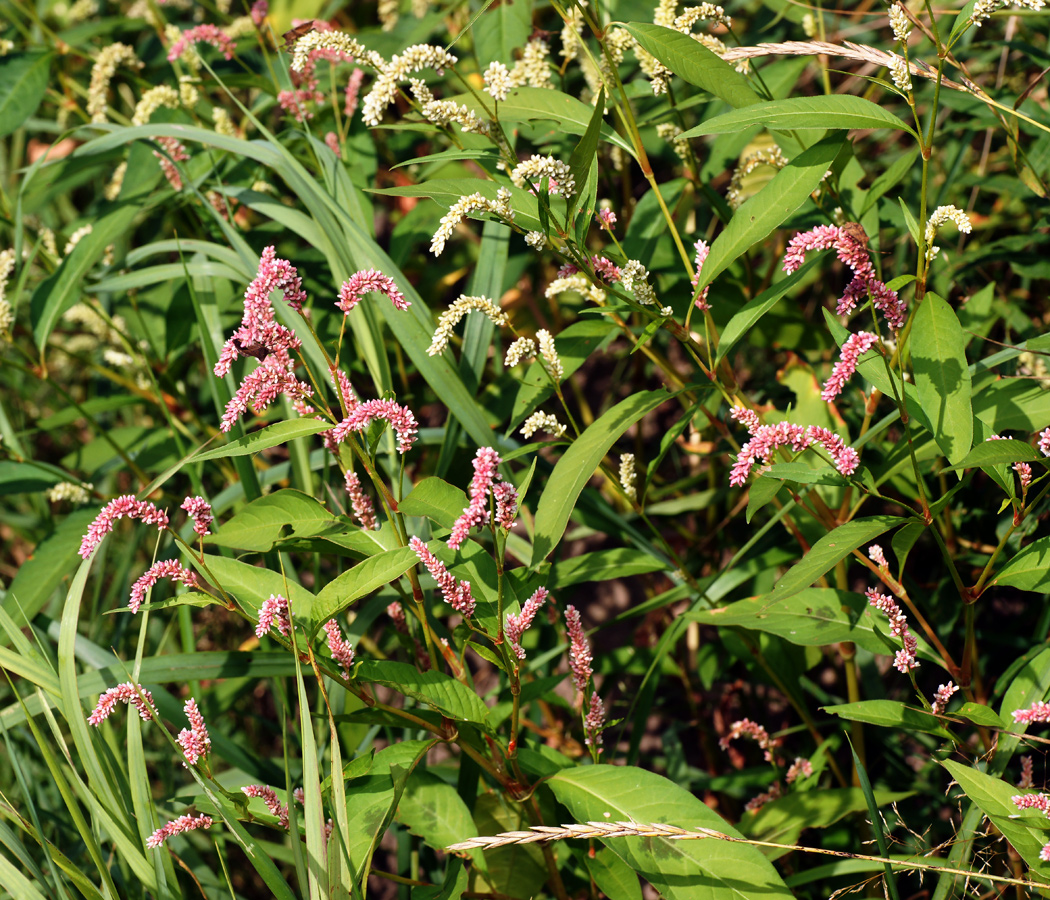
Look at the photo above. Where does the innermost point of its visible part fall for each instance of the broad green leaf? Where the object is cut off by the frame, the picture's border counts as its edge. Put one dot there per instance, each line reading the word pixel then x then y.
pixel 504 28
pixel 679 870
pixel 367 576
pixel 992 453
pixel 432 809
pixel 516 870
pixel 615 879
pixel 756 219
pixel 823 112
pixel 693 62
pixel 979 715
pixel 1029 569
pixel 23 83
pixel 579 463
pixel 826 552
pixel 801 473
pixel 252 585
pixel 602 565
pixel 265 438
pixel 1029 683
pixel 260 524
pixel 889 714
pixel 761 493
pixel 437 500
pixel 26 478
pixel 942 378
pixel 1013 405
pixel 583 157
pixel 449 697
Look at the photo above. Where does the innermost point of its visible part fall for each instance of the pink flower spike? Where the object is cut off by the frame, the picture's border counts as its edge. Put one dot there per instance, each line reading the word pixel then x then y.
pixel 518 624
pixel 456 594
pixel 1026 773
pixel 594 722
pixel 754 731
pixel 209 34
pixel 177 826
pixel 800 768
pixel 123 507
pixel 506 504
pixel 166 568
pixel 942 697
pixel 128 692
pixel 260 388
pixel 1044 442
pixel 353 90
pixel 365 282
pixel 1037 712
pixel 477 513
pixel 876 555
pixel 580 658
pixel 1033 801
pixel 199 510
pixel 606 218
pixel 360 502
pixel 194 740
pixel 258 12
pixel 399 417
pixel 274 610
pixel 342 652
pixel 746 417
pixel 606 269
pixel 268 796
pixel 855 347
pixel 904 660
pixel 702 251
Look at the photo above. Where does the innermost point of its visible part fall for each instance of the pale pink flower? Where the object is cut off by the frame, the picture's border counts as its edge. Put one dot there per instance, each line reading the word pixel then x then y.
pixel 580 658
pixel 876 555
pixel 1044 442
pixel 361 502
pixel 565 271
pixel 342 652
pixel 176 152
pixel 123 507
pixel 166 568
pixel 477 513
pixel 942 697
pixel 1026 773
pixel 905 660
pixel 1044 854
pixel 362 415
pixel 1033 801
pixel 275 609
pixel 128 692
pixel 746 417
pixel 506 504
pixel 606 218
pixel 606 269
pixel 194 740
pixel 845 458
pixel 209 34
pixel 456 594
pixel 749 729
pixel 347 397
pixel 365 282
pixel 331 140
pixel 799 768
pixel 199 510
pixel 177 826
pixel 518 624
pixel 268 796
pixel 1037 712
pixel 594 722
pixel 853 349
pixel 766 439
pixel 353 91
pixel 295 103
pixel 259 10
pixel 702 250
pixel 397 615
pixel 757 802
pixel 273 377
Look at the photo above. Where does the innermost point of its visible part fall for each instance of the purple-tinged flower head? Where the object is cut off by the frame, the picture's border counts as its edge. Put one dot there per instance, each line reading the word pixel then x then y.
pixel 905 660
pixel 275 609
pixel 194 740
pixel 360 502
pixel 177 826
pixel 942 697
pixel 876 555
pixel 518 624
pixel 746 417
pixel 342 652
pixel 606 269
pixel 853 349
pixel 268 796
pixel 365 282
pixel 128 692
pixel 565 271
pixel 455 594
pixel 123 507
pixel 1044 442
pixel 1024 472
pixel 606 218
pixel 362 415
pixel 166 568
pixel 397 615
pixel 580 658
pixel 347 396
pixel 272 378
pixel 747 729
pixel 888 303
pixel 259 11
pixel 594 722
pixel 1037 712
pixel 486 462
pixel 823 237
pixel 199 510
pixel 506 504
pixel 353 91
pixel 1026 773
pixel 209 34
pixel 702 250
pixel 800 768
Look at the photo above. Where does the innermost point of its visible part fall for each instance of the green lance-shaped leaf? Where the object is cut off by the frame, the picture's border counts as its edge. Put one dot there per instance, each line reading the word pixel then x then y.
pixel 830 111
pixel 942 378
pixel 679 870
pixel 23 83
pixel 889 714
pixel 265 438
pixel 579 463
pixel 449 697
pixel 1029 570
pixel 437 500
pixel 994 453
pixel 770 207
pixel 263 522
pixel 367 576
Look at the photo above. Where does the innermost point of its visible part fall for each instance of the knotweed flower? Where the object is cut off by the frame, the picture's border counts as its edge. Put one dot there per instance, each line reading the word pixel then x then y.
pixel 456 311
pixel 518 624
pixel 486 462
pixel 166 568
pixel 362 415
pixel 705 11
pixel 397 615
pixel 542 421
pixel 341 650
pixel 177 826
pixel 900 72
pixel 497 81
pixel 941 215
pixel 156 97
pixel 525 348
pixel 856 346
pixel 536 239
pixel 275 609
pixel 747 729
pixel 534 169
pixel 702 251
pixel 123 507
pixel 199 510
pixel 905 659
pixel 102 73
pixel 7 315
pixel 331 140
pixel 273 377
pixel 746 417
pixel 628 475
pixel 1044 442
pixel 66 490
pixel 268 796
pixel 209 34
pixel 259 11
pixel 1025 781
pixel 942 697
pixel 575 282
pixel 800 768
pixel 606 217
pixel 361 503
pixel 506 504
pixel 580 658
pixel 175 152
pixel 549 354
pixel 128 692
pixel 772 157
pixel 876 555
pixel 365 282
pixel 331 41
pixel 353 92
pixel 606 269
pixel 384 90
pixel 1037 712
pixel 900 23
pixel 635 278
pixel 766 439
pixel 455 594
pixel 760 800
pixel 75 238
pixel 194 740
pixel 594 722
pixel 465 205
pixel 533 69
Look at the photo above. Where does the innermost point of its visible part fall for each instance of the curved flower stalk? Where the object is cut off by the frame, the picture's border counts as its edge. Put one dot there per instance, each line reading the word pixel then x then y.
pixel 177 826
pixel 767 439
pixel 123 507
pixel 128 692
pixel 363 414
pixel 166 568
pixel 369 281
pixel 486 476
pixel 852 350
pixel 472 203
pixel 455 594
pixel 456 311
pixel 518 624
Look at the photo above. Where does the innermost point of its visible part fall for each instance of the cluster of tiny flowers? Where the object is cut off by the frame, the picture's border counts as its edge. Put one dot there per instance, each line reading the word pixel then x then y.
pixel 536 239
pixel 465 205
pixel 365 282
pixel 746 417
pixel 1025 781
pixel 123 507
pixel 209 34
pixel 855 255
pixel 174 152
pixel 1040 802
pixel 166 568
pixel 75 238
pixel 456 311
pixel 628 475
pixel 570 34
pixel 1023 469
pixel 361 503
pixel 941 215
pixel 773 157
pixel 852 350
pixel 275 609
pixel 194 740
pixel 549 355
pixel 877 556
pixel 441 112
pixel 7 315
pixel 128 692
pixel 455 593
pixel 326 40
pixel 748 729
pixel 340 648
pixel 384 91
pixel 1044 442
pixel 497 81
pixel 578 283
pixel 156 97
pixel 984 8
pixel 533 69
pixel 760 800
pixel 506 498
pixel 635 278
pixel 900 73
pixel 199 510
pixel 800 768
pixel 705 11
pixel 353 92
pixel 362 415
pixel 542 421
pixel 486 476
pixel 942 697
pixel 273 377
pixel 905 660
pixel 900 23
pixel 606 269
pixel 580 658
pixel 66 490
pixel 702 250
pixel 594 722
pixel 534 169
pixel 102 73
pixel 1037 712
pixel 177 826
pixel 269 797
pixel 606 218
pixel 518 624
pixel 766 439
pixel 522 348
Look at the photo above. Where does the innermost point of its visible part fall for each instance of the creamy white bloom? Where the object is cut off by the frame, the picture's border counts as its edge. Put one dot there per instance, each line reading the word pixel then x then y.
pixel 66 490
pixel 899 72
pixel 704 12
pixel 542 421
pixel 152 100
pixel 102 73
pixel 536 239
pixel 464 205
pixel 628 475
pixel 772 156
pixel 523 348
pixel 900 23
pixel 942 215
pixel 549 353
pixel 497 81
pixel 456 311
pixel 578 283
pixel 76 237
pixel 635 278
pixel 7 315
pixel 329 40
pixel 533 69
pixel 534 169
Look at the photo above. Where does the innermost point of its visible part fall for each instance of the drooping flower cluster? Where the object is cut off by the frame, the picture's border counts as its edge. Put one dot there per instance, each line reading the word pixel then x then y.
pixel 389 75
pixel 704 12
pixel 942 697
pixel 123 507
pixel 455 594
pixel 268 796
pixel 854 254
pixel 747 729
pixel 533 170
pixel 1044 442
pixel 174 152
pixel 332 41
pixel 497 81
pixel 360 502
pixel 1037 712
pixel 128 692
pixel 199 510
pixel 1040 802
pixel 340 648
pixel 853 349
pixel 177 826
pixel 363 414
pixel 456 311
pixel 67 490
pixel 465 205
pixel 983 9
pixel 905 660
pixel 522 348
pixel 580 658
pixel 635 278
pixel 549 355
pixel 442 112
pixel 541 421
pixel 577 282
pixel 102 73
pixel 365 282
pixel 773 157
pixel 194 740
pixel 628 475
pixel 518 624
pixel 941 215
pixel 767 439
pixel 274 609
pixel 166 568
pixel 209 34
pixel 353 92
